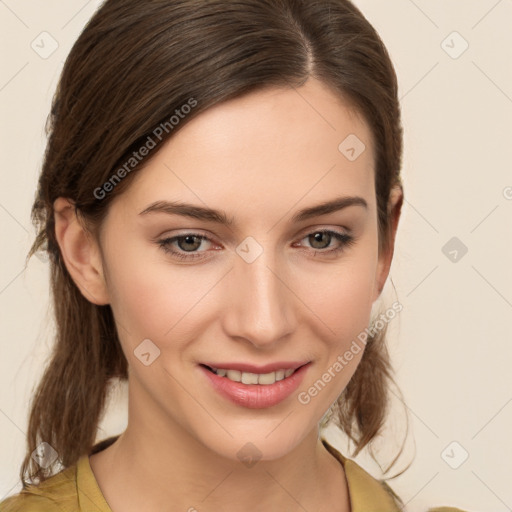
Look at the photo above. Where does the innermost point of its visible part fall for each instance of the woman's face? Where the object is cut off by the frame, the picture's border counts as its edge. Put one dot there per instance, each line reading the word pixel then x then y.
pixel 268 288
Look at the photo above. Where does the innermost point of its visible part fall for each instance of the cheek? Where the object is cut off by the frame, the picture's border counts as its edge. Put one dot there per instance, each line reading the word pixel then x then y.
pixel 341 294
pixel 150 299
pixel 341 298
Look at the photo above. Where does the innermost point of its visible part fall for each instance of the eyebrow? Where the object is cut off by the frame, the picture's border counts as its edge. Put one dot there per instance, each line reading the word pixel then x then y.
pixel 220 217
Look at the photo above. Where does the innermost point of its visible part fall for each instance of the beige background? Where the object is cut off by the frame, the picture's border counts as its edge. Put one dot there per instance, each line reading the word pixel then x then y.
pixel 452 343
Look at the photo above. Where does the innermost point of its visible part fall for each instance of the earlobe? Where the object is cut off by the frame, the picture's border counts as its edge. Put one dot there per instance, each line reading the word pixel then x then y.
pixel 80 252
pixel 394 207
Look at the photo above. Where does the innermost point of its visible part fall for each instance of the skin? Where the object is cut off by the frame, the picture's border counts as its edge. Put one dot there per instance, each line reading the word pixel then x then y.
pixel 260 158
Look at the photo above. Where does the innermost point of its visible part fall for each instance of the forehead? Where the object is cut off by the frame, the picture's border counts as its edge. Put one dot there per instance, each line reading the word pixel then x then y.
pixel 267 150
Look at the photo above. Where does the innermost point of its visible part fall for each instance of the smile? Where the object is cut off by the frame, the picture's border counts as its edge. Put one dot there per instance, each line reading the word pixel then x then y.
pixel 254 390
pixel 253 378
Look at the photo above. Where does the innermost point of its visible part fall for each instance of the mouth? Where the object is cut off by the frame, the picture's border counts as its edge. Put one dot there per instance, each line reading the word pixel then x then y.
pixel 245 377
pixel 255 390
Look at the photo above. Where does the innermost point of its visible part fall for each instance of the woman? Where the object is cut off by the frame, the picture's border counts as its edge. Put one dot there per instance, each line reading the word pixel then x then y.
pixel 267 135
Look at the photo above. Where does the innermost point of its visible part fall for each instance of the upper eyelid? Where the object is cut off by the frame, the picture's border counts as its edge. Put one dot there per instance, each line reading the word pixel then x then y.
pixel 303 232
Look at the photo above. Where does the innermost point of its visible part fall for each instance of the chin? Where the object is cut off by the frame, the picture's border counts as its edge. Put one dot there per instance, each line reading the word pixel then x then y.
pixel 256 444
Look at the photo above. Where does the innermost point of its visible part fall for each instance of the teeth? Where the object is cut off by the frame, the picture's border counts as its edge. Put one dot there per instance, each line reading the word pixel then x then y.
pixel 253 378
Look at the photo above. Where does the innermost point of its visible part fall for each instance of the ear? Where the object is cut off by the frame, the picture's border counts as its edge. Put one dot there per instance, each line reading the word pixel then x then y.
pixel 80 252
pixel 395 202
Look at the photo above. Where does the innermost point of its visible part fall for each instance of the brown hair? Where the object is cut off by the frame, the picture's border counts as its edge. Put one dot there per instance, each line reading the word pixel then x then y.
pixel 132 67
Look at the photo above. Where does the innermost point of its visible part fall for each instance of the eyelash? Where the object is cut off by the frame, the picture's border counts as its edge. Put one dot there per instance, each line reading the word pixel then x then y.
pixel 345 240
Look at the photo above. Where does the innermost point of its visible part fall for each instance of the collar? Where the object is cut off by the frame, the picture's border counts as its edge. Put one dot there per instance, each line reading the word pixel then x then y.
pixel 366 493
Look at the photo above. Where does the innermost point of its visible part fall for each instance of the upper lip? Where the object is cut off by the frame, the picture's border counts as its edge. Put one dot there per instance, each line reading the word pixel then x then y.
pixel 251 368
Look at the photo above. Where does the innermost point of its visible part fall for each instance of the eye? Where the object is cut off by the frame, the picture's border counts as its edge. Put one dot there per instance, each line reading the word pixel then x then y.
pixel 320 240
pixel 188 243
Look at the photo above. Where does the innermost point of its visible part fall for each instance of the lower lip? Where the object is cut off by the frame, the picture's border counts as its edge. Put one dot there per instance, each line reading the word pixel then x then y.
pixel 256 396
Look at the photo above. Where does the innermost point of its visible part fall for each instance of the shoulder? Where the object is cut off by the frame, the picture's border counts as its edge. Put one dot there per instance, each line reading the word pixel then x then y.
pixel 23 502
pixel 56 494
pixel 366 492
pixel 369 493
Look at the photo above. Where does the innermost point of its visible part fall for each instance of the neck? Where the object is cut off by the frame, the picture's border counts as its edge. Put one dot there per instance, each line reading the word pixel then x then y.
pixel 174 467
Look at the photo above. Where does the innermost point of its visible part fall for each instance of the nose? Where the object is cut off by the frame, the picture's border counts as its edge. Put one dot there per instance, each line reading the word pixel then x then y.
pixel 261 300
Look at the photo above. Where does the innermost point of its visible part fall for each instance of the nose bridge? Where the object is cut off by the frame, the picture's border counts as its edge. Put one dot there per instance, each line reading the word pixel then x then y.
pixel 261 303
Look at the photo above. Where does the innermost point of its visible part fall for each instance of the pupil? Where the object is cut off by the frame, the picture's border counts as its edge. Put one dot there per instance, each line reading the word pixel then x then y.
pixel 318 238
pixel 189 240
